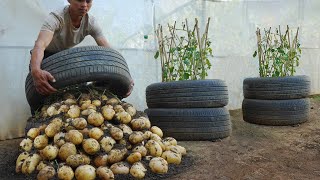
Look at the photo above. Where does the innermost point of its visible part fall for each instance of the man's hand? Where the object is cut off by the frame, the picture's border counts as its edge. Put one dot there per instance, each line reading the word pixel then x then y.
pixel 41 80
pixel 130 88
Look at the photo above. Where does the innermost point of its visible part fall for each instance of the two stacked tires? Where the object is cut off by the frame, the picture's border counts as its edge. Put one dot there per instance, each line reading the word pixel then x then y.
pixel 276 101
pixel 190 110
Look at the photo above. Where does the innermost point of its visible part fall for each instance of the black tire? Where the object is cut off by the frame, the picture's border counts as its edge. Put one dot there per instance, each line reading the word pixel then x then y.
pixel 291 87
pixel 83 64
pixel 192 124
pixel 187 94
pixel 276 112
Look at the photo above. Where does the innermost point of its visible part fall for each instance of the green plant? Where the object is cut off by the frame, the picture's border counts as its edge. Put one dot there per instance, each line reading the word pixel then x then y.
pixel 183 52
pixel 278 54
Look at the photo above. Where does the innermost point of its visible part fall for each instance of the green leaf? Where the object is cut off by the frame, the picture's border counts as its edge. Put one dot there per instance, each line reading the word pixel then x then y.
pixel 156 55
pixel 255 54
pixel 186 76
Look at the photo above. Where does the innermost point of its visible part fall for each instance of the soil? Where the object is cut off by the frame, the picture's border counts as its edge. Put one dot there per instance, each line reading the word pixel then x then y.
pixel 251 152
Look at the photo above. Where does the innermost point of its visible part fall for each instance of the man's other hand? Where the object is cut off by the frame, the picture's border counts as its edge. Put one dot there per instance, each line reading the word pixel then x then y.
pixel 41 80
pixel 130 88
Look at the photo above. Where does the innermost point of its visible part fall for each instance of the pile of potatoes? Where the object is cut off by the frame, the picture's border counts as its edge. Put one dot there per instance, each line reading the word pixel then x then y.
pixel 88 138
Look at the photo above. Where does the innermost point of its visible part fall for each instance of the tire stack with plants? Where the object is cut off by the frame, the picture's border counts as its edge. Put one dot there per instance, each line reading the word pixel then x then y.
pixel 86 132
pixel 277 97
pixel 189 107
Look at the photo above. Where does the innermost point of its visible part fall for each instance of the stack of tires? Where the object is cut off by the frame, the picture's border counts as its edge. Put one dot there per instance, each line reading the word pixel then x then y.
pixel 190 110
pixel 276 101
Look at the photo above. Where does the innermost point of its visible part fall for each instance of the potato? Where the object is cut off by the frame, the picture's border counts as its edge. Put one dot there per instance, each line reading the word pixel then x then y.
pixel 158 165
pixel 85 172
pixel 141 149
pixel 136 137
pixel 57 121
pixel 123 117
pixel 147 135
pixel 131 110
pixel 171 157
pixel 74 136
pixel 33 133
pixel 30 164
pixel 101 160
pixel 26 144
pixel 104 97
pixel 87 112
pixel 59 139
pixel 155 137
pixel 73 112
pixel 51 111
pixel 85 100
pixel 46 173
pixel 76 160
pixel 134 157
pixel 105 173
pixel 140 123
pixel 50 152
pixel 95 119
pixel 21 158
pixel 96 103
pixel 79 123
pixel 107 113
pixel 41 165
pixel 169 141
pixel 137 170
pixel 70 102
pixel 157 130
pixel 154 149
pixel 113 101
pixel 116 155
pixel 40 141
pixel 125 129
pixel 65 173
pixel 120 168
pixel 116 133
pixel 66 150
pixel 85 106
pixel 147 122
pixel 95 133
pixel 107 143
pixel 177 149
pixel 90 146
pixel 63 108
pixel 52 129
pixel 84 131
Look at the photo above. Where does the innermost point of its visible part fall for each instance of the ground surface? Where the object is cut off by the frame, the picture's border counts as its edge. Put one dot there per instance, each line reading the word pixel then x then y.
pixel 251 152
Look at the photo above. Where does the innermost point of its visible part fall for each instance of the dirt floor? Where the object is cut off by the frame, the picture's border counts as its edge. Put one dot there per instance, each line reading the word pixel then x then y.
pixel 251 152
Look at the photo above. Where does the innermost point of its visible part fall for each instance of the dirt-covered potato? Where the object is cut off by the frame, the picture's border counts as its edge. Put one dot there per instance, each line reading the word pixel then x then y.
pixel 107 113
pixel 125 129
pixel 105 173
pixel 41 165
pixel 147 135
pixel 136 137
pixel 87 112
pixel 65 173
pixel 96 102
pixel 50 152
pixel 131 110
pixel 116 133
pixel 141 149
pixel 155 137
pixel 101 160
pixel 46 173
pixel 138 170
pixel 113 101
pixel 26 144
pixel 85 172
pixel 169 141
pixel 95 133
pixel 76 160
pixel 146 122
pixel 104 97
pixel 52 129
pixel 63 108
pixel 66 150
pixel 123 117
pixel 140 123
pixel 134 157
pixel 74 136
pixel 30 164
pixel 95 119
pixel 33 133
pixel 107 143
pixel 156 130
pixel 79 123
pixel 171 157
pixel 153 148
pixel 118 108
pixel 90 146
pixel 116 155
pixel 158 165
pixel 74 111
pixel 177 149
pixel 40 141
pixel 59 139
pixel 85 106
pixel 70 102
pixel 52 110
pixel 120 168
pixel 21 158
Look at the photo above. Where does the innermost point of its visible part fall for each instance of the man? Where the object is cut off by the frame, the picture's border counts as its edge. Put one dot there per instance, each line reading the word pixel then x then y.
pixel 62 30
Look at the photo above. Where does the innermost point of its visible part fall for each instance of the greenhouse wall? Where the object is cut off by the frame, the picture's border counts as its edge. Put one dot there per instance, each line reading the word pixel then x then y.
pixel 129 26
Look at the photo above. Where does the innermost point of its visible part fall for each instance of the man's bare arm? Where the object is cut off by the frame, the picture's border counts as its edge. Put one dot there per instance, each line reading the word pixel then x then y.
pixel 102 41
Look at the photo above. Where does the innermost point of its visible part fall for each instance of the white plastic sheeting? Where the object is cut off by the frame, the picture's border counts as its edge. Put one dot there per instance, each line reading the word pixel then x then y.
pixel 126 22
